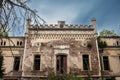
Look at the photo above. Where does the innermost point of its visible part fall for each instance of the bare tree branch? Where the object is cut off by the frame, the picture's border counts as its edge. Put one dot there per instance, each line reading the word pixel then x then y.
pixel 13 15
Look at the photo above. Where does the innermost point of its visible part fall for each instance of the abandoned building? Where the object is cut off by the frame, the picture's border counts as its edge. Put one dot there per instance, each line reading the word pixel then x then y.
pixel 62 49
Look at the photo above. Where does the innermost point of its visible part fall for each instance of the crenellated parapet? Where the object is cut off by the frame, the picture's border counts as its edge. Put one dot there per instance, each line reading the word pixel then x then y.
pixel 61 30
pixel 56 26
pixel 61 25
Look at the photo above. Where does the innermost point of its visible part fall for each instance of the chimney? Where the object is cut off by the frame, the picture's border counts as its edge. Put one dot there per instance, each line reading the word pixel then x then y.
pixel 61 24
pixel 94 25
pixel 93 22
pixel 28 22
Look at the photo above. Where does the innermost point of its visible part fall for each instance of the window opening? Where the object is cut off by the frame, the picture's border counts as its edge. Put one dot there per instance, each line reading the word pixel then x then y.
pixel 86 65
pixel 37 62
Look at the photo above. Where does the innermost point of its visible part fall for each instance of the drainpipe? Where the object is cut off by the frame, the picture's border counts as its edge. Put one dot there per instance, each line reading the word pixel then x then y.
pixel 99 59
pixel 24 56
pixel 26 36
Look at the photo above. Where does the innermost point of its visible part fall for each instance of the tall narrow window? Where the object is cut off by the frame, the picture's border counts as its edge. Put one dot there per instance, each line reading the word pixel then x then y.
pixel 20 43
pixel 37 62
pixel 4 43
pixel 17 43
pixel 16 63
pixel 117 43
pixel 1 43
pixel 86 65
pixel 106 63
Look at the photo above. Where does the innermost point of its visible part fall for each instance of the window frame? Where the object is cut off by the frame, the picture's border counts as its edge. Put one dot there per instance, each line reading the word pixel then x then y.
pixel 39 62
pixel 104 63
pixel 89 60
pixel 14 64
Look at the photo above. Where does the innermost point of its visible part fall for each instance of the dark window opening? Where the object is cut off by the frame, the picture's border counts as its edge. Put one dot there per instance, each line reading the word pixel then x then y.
pixel 4 43
pixel 16 63
pixel 61 64
pixel 20 42
pixel 106 63
pixel 86 65
pixel 17 43
pixel 37 62
pixel 1 43
pixel 117 43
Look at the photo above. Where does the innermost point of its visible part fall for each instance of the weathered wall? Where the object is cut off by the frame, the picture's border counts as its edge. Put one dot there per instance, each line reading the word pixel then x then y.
pixel 51 41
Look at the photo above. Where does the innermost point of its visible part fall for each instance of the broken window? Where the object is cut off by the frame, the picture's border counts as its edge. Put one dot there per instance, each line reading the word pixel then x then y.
pixel 16 63
pixel 106 63
pixel 37 62
pixel 86 65
pixel 61 64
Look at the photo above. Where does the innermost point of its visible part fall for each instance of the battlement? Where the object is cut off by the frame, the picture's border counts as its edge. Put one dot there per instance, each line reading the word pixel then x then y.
pixel 56 26
pixel 62 25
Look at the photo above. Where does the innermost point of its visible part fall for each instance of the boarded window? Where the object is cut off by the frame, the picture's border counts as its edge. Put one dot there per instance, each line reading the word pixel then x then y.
pixel 86 65
pixel 106 63
pixel 37 62
pixel 16 63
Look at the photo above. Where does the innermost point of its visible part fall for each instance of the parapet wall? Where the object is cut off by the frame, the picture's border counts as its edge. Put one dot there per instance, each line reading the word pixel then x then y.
pixel 66 26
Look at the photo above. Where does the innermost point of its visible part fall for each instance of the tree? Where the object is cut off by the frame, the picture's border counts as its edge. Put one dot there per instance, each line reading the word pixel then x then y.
pixel 107 33
pixel 13 15
pixel 102 44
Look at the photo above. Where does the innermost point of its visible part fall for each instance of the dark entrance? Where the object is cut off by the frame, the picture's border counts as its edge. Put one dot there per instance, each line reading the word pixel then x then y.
pixel 61 64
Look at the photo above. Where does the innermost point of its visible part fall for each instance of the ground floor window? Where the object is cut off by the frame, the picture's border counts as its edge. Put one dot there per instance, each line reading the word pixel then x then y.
pixel 86 65
pixel 61 64
pixel 16 63
pixel 106 64
pixel 37 62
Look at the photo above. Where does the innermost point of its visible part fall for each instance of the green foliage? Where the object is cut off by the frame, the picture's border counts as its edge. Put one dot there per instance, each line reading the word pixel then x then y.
pixel 89 45
pixel 102 44
pixel 35 78
pixel 1 66
pixel 52 76
pixel 3 34
pixel 107 33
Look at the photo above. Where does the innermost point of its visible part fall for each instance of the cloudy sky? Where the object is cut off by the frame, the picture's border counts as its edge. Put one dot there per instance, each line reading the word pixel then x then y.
pixel 106 12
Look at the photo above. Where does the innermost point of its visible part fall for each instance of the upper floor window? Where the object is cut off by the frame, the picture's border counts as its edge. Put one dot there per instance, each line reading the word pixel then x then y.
pixel 16 63
pixel 106 64
pixel 37 62
pixel 19 43
pixel 3 43
pixel 86 65
pixel 118 43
